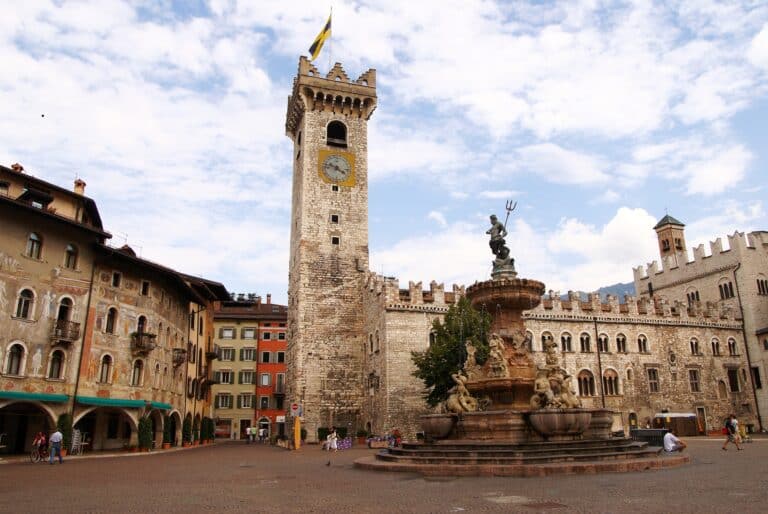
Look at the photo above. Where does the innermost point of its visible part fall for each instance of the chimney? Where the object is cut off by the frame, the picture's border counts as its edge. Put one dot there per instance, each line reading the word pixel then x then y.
pixel 80 187
pixel 269 298
pixel 18 168
pixel 258 300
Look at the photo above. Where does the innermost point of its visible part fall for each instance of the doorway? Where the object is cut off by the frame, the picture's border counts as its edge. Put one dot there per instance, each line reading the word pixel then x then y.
pixel 244 425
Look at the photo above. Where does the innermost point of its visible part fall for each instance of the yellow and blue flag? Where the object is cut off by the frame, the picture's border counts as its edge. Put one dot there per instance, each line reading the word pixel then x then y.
pixel 324 34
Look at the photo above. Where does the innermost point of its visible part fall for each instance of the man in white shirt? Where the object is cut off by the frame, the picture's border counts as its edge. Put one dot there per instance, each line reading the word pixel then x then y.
pixel 672 443
pixel 55 441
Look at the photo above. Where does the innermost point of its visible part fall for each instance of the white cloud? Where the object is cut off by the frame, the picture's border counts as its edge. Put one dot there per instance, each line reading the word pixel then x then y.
pixel 558 165
pixel 437 216
pixel 758 49
pixel 495 195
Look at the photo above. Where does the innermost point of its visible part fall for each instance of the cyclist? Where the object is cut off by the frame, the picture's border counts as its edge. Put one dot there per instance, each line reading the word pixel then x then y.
pixel 40 441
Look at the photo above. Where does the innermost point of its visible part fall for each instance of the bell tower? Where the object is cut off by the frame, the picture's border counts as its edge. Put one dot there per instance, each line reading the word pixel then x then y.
pixel 671 235
pixel 327 120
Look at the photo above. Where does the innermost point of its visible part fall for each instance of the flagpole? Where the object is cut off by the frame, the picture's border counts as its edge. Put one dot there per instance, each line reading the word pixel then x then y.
pixel 330 43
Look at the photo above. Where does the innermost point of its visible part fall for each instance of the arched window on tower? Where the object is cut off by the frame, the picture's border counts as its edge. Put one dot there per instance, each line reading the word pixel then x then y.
pixel 565 342
pixel 336 133
pixel 111 321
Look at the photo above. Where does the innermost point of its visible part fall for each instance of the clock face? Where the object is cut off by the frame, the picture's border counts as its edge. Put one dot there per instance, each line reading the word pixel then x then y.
pixel 337 168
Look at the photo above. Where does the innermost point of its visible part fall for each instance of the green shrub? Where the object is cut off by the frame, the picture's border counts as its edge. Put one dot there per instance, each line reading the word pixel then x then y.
pixel 196 430
pixel 64 425
pixel 361 432
pixel 145 433
pixel 322 433
pixel 167 429
pixel 186 430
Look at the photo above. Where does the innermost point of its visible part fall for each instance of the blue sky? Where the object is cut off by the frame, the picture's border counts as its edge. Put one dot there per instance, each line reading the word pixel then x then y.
pixel 597 117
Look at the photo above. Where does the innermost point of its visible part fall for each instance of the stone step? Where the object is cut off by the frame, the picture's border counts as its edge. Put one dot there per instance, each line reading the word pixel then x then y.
pixel 529 469
pixel 542 445
pixel 494 459
pixel 517 450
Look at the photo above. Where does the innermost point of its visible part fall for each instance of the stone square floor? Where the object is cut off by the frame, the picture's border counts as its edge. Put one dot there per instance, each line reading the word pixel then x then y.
pixel 251 478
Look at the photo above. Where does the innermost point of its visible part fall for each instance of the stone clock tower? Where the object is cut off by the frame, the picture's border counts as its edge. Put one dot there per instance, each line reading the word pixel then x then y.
pixel 327 120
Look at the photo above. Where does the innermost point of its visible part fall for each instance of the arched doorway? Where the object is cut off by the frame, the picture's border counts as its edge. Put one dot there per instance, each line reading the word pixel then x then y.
pixel 20 421
pixel 265 423
pixel 107 428
pixel 632 420
pixel 156 419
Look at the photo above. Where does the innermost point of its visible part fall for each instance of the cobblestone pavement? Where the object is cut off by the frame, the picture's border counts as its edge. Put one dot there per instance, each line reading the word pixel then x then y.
pixel 253 478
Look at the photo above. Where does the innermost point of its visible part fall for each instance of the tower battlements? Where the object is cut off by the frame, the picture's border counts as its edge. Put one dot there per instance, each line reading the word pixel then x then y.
pixel 335 93
pixel 657 310
pixel 415 296
pixel 718 257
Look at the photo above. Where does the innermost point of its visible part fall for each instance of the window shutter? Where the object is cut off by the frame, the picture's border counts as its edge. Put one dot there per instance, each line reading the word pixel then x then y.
pixel 242 353
pixel 217 377
pixel 239 401
pixel 240 377
pixel 218 401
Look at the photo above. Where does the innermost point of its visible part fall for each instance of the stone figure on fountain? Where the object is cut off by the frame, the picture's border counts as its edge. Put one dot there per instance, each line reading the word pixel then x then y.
pixel 497 358
pixel 460 400
pixel 471 368
pixel 552 388
pixel 503 263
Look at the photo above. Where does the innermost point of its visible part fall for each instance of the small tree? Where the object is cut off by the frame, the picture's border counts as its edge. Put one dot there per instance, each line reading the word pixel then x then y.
pixel 145 432
pixel 196 430
pixel 167 429
pixel 447 353
pixel 64 425
pixel 186 430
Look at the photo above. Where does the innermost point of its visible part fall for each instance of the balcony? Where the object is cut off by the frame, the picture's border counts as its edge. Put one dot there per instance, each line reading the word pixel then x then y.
pixel 142 342
pixel 64 332
pixel 179 357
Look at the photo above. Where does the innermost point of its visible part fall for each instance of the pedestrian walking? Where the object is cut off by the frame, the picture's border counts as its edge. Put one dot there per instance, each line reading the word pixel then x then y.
pixel 55 440
pixel 262 435
pixel 731 432
pixel 332 440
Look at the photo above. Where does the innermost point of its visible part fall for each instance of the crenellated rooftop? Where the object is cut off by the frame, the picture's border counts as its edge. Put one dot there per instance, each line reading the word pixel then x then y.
pixel 415 297
pixel 335 92
pixel 738 243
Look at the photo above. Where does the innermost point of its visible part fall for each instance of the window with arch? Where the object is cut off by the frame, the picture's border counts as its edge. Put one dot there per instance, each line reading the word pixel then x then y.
pixel 762 286
pixel 629 374
pixel 136 374
pixel 156 378
pixel 695 350
pixel 621 343
pixel 642 344
pixel 70 257
pixel 15 360
pixel 141 325
pixel 105 370
pixel 546 339
pixel 726 289
pixel 34 246
pixel 24 304
pixel 732 348
pixel 715 346
pixel 65 309
pixel 602 343
pixel 378 341
pixel 111 324
pixel 56 365
pixel 432 337
pixel 665 245
pixel 165 384
pixel 722 390
pixel 370 341
pixel 336 133
pixel 693 297
pixel 586 383
pixel 586 346
pixel 565 342
pixel 611 383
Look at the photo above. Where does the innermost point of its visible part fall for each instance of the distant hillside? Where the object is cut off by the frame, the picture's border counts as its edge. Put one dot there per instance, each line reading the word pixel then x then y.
pixel 617 290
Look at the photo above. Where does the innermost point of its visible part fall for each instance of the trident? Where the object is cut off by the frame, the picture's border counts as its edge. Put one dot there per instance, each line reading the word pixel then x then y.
pixel 510 207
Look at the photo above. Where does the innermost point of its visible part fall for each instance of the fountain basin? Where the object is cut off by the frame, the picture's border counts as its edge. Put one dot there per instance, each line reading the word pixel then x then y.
pixel 559 424
pixel 438 426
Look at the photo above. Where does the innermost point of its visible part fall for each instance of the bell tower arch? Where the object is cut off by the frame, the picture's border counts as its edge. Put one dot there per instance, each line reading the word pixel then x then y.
pixel 671 236
pixel 327 120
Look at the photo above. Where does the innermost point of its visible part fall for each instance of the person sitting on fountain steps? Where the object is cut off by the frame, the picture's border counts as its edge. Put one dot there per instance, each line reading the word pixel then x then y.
pixel 672 443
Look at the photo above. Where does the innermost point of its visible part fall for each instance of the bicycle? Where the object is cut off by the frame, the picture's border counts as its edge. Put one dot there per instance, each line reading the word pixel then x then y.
pixel 38 454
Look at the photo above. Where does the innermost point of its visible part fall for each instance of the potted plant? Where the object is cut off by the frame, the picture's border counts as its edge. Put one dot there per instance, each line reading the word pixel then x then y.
pixel 362 435
pixel 186 432
pixel 64 425
pixel 166 432
pixel 145 434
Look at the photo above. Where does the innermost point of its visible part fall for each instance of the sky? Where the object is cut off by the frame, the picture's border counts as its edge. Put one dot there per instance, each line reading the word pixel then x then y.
pixel 596 117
